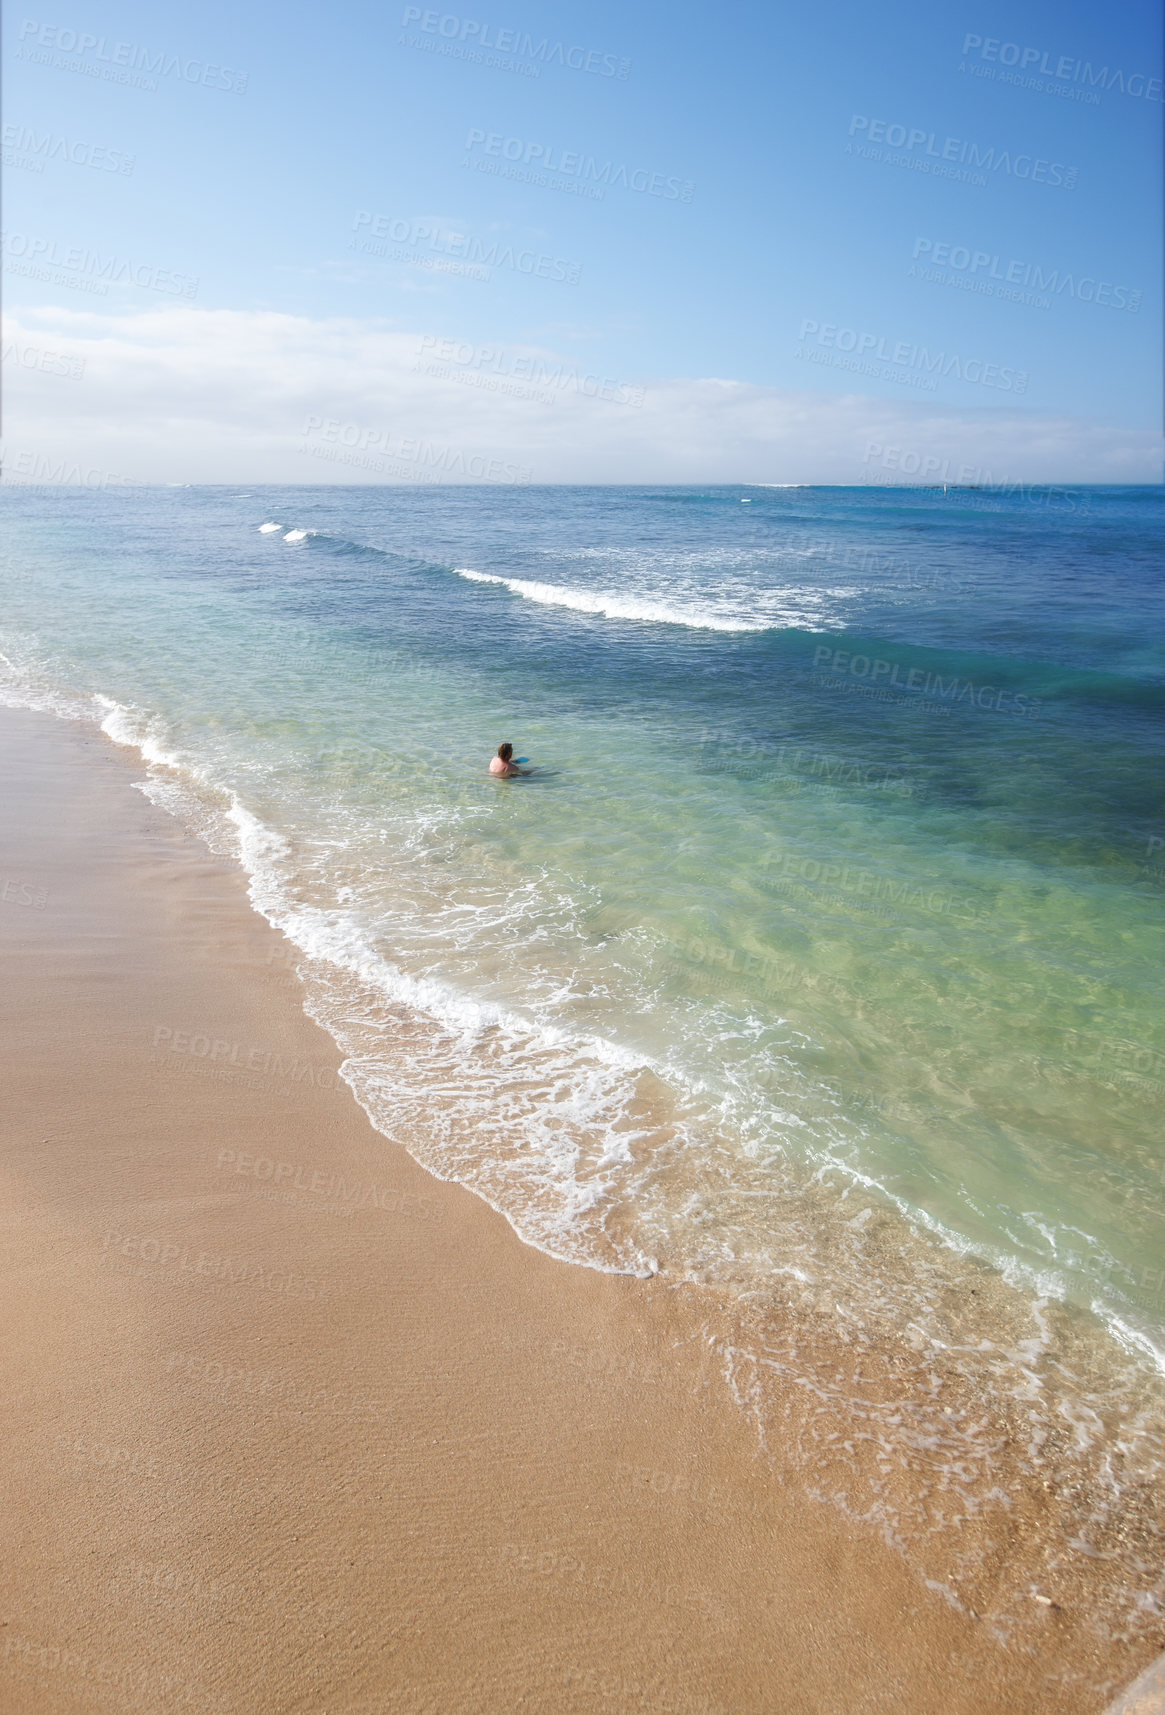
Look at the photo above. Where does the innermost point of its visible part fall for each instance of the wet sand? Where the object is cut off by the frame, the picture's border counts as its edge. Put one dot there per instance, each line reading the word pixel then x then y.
pixel 293 1426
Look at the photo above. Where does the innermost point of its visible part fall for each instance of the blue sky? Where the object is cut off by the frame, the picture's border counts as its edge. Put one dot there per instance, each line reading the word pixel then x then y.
pixel 777 183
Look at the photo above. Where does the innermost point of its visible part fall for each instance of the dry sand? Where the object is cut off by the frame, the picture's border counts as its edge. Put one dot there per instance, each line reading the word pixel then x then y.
pixel 276 1444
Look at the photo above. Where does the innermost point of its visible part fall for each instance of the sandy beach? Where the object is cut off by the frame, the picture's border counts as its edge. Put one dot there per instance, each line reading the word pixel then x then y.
pixel 293 1426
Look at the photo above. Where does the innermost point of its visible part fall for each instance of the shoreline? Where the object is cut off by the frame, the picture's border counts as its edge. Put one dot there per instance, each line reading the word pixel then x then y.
pixel 210 1459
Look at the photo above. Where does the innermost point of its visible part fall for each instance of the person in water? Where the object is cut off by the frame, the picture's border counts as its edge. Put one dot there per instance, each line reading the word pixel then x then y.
pixel 503 765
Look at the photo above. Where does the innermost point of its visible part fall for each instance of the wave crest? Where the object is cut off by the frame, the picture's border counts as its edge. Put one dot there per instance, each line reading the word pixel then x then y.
pixel 611 606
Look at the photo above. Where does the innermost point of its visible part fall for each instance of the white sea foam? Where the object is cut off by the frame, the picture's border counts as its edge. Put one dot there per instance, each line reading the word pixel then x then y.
pixel 130 726
pixel 26 684
pixel 612 606
pixel 545 1152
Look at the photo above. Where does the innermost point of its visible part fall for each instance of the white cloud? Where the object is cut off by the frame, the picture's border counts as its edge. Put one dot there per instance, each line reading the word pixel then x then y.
pixel 179 394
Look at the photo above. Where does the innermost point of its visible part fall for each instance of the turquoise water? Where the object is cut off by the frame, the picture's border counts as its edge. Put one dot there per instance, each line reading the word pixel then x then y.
pixel 822 947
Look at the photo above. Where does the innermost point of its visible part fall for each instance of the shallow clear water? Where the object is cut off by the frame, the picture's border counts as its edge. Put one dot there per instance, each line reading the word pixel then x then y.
pixel 822 947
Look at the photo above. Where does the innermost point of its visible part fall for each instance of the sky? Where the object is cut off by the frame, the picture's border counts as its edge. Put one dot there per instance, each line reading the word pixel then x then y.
pixel 582 243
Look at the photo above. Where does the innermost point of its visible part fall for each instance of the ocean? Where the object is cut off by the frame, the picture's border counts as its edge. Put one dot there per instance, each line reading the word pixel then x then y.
pixel 815 965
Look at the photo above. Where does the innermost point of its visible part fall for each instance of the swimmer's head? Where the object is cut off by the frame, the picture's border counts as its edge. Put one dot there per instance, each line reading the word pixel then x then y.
pixel 505 751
